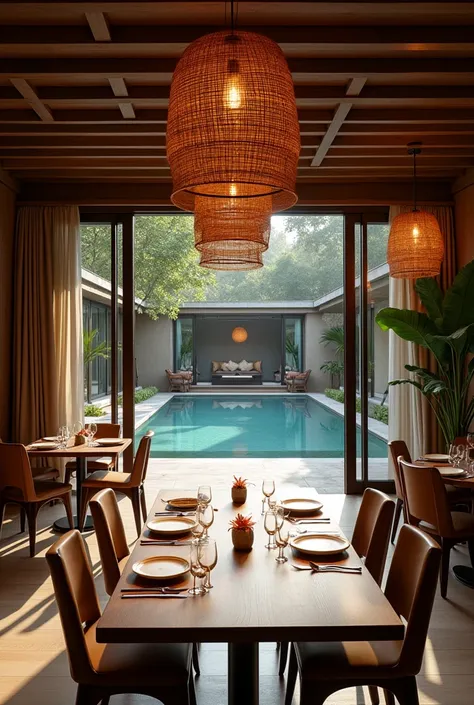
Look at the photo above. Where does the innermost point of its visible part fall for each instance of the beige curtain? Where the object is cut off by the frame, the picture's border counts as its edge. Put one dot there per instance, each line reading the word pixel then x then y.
pixel 410 416
pixel 47 362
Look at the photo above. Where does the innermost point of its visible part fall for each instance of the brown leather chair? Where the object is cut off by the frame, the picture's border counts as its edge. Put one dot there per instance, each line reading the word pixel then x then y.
pixel 130 484
pixel 113 547
pixel 162 671
pixel 428 507
pixel 104 430
pixel 456 495
pixel 326 668
pixel 18 486
pixel 370 541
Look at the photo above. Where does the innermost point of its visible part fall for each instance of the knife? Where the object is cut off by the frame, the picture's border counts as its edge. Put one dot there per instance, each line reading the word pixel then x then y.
pixel 163 590
pixel 150 542
pixel 158 595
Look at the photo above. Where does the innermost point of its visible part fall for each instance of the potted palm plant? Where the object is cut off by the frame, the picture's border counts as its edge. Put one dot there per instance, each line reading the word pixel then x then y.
pixel 447 331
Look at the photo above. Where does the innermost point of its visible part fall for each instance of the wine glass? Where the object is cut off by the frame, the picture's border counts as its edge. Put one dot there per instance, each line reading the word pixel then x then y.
pixel 197 530
pixel 282 537
pixel 205 516
pixel 208 558
pixel 268 488
pixel 453 454
pixel 461 455
pixel 76 427
pixel 270 525
pixel 197 571
pixel 204 494
pixel 280 515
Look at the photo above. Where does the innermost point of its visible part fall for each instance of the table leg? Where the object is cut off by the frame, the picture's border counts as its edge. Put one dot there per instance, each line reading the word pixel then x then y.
pixel 464 573
pixel 62 525
pixel 243 673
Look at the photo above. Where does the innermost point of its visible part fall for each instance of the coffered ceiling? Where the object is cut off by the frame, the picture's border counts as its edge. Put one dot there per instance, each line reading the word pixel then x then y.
pixel 84 85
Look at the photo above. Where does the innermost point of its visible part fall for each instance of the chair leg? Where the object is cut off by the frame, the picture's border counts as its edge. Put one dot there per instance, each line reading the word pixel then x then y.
pixel 292 674
pixel 136 509
pixel 374 695
pixel 22 520
pixel 405 690
pixel 87 695
pixel 143 503
pixel 389 697
pixel 32 513
pixel 192 691
pixel 396 518
pixel 85 497
pixel 2 512
pixel 67 476
pixel 68 507
pixel 444 571
pixel 196 659
pixel 283 657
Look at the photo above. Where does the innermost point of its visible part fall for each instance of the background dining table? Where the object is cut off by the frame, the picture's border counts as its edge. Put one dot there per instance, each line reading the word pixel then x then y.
pixel 254 598
pixel 81 453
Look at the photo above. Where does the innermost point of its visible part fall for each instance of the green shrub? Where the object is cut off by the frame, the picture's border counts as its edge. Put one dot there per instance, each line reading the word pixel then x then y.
pixel 93 410
pixel 141 395
pixel 336 394
pixel 380 413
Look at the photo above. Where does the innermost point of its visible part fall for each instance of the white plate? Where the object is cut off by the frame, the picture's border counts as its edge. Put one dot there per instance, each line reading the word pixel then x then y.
pixel 44 445
pixel 451 472
pixel 161 567
pixel 171 525
pixel 298 505
pixel 320 544
pixel 51 439
pixel 436 457
pixel 109 441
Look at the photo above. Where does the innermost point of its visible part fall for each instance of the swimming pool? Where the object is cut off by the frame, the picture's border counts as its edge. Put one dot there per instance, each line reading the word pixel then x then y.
pixel 253 426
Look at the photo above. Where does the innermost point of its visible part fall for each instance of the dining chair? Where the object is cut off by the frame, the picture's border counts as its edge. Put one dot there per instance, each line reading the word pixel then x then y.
pixel 162 671
pixel 104 430
pixel 18 486
pixel 327 667
pixel 43 473
pixel 129 484
pixel 428 507
pixel 370 541
pixel 456 495
pixel 113 547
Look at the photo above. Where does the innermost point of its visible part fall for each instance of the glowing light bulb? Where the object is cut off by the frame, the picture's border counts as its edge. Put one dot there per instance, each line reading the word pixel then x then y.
pixel 416 232
pixel 233 96
pixel 233 190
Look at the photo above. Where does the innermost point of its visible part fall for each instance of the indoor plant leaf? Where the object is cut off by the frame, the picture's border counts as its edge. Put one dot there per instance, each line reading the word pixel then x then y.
pixel 458 304
pixel 414 327
pixel 431 297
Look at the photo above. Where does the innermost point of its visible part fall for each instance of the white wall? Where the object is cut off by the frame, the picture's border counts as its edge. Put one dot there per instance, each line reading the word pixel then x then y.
pixel 153 350
pixel 315 353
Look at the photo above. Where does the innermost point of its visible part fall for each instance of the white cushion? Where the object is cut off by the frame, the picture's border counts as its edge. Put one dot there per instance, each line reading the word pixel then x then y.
pixel 245 366
pixel 231 366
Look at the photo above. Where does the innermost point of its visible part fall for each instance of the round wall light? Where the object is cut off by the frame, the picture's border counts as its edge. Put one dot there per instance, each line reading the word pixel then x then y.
pixel 239 335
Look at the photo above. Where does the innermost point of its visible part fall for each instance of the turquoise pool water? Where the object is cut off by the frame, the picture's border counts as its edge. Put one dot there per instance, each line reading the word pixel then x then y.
pixel 254 426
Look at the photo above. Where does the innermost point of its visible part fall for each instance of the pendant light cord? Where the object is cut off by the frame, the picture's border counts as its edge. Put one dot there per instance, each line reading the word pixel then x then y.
pixel 414 181
pixel 232 16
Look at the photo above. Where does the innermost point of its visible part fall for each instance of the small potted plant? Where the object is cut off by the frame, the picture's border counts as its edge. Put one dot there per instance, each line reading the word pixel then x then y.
pixel 242 532
pixel 239 490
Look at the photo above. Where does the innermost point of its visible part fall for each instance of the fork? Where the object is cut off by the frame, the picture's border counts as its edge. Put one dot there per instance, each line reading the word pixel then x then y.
pixel 315 568
pixel 174 514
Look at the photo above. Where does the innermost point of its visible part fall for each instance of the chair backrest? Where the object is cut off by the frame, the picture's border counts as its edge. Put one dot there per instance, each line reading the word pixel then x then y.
pixel 426 498
pixel 108 430
pixel 372 531
pixel 140 464
pixel 410 589
pixel 110 534
pixel 397 449
pixel 76 597
pixel 15 470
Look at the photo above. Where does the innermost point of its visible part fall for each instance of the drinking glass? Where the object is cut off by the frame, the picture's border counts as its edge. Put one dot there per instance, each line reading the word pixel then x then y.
pixel 453 454
pixel 270 525
pixel 205 516
pixel 208 559
pixel 198 530
pixel 63 436
pixel 76 427
pixel 461 455
pixel 197 571
pixel 282 537
pixel 204 494
pixel 280 515
pixel 91 431
pixel 268 488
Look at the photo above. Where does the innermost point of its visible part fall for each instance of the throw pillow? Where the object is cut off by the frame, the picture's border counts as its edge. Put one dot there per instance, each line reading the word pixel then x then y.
pixel 216 366
pixel 232 366
pixel 245 366
pixel 257 365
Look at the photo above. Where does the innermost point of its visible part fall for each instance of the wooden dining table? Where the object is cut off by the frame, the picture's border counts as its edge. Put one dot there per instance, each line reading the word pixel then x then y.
pixel 81 453
pixel 254 598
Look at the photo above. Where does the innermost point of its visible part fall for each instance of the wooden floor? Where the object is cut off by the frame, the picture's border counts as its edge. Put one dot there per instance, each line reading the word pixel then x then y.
pixel 33 663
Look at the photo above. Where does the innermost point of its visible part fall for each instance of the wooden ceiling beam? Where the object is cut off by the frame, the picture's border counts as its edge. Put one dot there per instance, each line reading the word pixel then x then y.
pixel 431 37
pixel 31 97
pixel 99 26
pixel 162 69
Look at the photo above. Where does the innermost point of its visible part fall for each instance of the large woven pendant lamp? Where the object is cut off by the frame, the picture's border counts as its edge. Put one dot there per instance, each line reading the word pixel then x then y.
pixel 415 244
pixel 232 121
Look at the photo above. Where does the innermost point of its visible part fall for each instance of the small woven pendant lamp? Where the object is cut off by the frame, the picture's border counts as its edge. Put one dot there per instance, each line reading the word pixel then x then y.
pixel 415 244
pixel 220 258
pixel 232 224
pixel 232 121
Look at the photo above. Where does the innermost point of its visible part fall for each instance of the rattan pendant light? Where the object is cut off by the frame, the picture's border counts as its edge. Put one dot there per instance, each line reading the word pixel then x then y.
pixel 232 121
pixel 236 224
pixel 415 244
pixel 220 258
